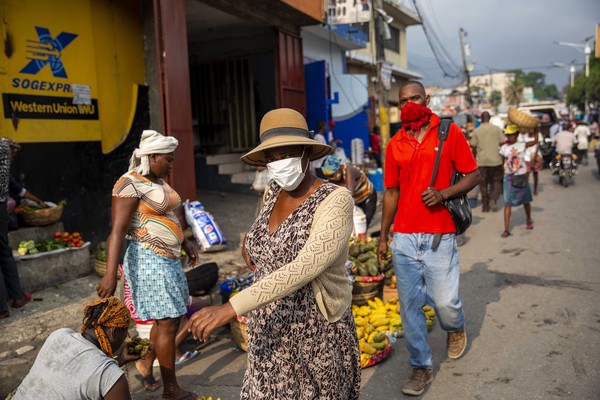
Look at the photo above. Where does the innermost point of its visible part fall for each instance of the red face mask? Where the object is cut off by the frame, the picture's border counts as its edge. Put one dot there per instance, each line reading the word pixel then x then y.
pixel 414 116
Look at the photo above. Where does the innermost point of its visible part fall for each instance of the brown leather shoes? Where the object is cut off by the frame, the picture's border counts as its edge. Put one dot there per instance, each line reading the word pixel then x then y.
pixel 415 385
pixel 456 343
pixel 23 301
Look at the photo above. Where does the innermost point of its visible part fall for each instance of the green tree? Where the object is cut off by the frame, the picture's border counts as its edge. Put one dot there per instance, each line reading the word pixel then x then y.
pixel 514 91
pixel 576 95
pixel 537 81
pixel 496 99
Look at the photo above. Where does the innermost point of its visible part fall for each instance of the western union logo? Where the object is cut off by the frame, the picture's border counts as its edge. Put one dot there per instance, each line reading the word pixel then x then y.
pixel 24 106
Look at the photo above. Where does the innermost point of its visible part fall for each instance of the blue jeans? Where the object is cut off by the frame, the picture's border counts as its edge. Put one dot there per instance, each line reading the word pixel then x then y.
pixel 424 277
pixel 9 275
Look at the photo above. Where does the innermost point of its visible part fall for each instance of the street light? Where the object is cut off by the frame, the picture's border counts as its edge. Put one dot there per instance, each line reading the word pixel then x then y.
pixel 571 70
pixel 587 49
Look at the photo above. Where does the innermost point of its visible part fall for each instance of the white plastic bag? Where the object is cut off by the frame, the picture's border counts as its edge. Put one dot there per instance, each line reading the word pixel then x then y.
pixel 206 231
pixel 360 223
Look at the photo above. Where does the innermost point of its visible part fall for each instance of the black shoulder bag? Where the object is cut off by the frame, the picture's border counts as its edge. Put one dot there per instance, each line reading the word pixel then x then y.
pixel 459 207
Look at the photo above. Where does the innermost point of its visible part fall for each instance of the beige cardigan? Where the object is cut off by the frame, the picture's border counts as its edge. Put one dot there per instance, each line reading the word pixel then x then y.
pixel 321 262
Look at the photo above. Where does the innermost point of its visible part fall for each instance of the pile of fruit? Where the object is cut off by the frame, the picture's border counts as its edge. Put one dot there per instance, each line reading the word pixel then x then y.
pixel 62 240
pixel 378 320
pixel 363 253
pixel 72 239
pixel 137 345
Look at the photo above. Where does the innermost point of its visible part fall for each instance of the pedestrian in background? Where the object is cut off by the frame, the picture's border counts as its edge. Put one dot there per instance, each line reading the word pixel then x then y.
pixel 356 181
pixel 582 135
pixel 424 245
pixel 319 136
pixel 375 141
pixel 516 180
pixel 486 139
pixel 10 286
pixel 80 365
pixel 302 340
pixel 148 213
pixel 533 155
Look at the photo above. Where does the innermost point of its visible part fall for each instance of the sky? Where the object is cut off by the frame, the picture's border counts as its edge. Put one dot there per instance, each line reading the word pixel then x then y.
pixel 505 34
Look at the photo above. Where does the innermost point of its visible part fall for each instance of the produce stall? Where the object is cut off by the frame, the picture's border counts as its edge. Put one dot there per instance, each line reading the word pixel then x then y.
pixel 47 255
pixel 378 322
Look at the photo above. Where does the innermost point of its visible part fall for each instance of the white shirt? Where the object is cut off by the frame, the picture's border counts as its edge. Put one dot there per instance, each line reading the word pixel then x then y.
pixel 530 151
pixel 564 141
pixel 581 136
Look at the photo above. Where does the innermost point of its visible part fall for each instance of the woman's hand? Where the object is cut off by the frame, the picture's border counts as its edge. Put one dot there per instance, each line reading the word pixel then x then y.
pixel 203 322
pixel 107 286
pixel 382 250
pixel 124 357
pixel 191 252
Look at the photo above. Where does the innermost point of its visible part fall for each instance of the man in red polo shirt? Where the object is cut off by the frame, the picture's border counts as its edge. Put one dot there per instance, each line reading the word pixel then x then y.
pixel 424 244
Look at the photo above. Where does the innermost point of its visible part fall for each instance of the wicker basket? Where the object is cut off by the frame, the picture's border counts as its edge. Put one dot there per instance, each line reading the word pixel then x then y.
pixel 43 216
pixel 361 299
pixel 239 330
pixel 522 119
pixel 367 284
pixel 100 267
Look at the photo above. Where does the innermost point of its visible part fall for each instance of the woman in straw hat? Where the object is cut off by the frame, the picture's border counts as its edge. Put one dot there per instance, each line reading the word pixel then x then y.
pixel 516 177
pixel 301 335
pixel 148 213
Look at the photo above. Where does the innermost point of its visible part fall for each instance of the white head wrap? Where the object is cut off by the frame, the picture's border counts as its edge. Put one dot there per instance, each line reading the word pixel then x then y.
pixel 151 142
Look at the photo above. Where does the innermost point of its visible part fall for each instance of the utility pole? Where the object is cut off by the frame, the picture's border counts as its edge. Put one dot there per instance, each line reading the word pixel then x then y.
pixel 380 91
pixel 462 33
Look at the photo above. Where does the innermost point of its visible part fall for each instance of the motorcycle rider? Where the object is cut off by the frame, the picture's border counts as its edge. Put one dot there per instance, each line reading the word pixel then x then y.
pixel 565 140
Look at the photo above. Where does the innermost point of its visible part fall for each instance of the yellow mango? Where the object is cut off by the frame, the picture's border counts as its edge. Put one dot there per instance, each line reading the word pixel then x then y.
pixel 379 302
pixel 360 332
pixel 382 328
pixel 380 321
pixel 372 304
pixel 371 337
pixel 360 321
pixel 369 328
pixel 430 313
pixel 364 360
pixel 367 348
pixel 379 345
pixel 393 301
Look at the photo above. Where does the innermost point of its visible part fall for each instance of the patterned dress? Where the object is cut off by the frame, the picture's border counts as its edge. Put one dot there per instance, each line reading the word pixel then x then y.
pixel 151 263
pixel 294 352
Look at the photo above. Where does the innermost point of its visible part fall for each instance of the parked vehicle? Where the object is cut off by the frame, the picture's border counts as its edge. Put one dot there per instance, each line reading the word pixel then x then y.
pixel 565 167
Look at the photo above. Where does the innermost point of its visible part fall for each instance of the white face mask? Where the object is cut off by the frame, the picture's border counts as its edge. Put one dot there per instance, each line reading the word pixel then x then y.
pixel 287 172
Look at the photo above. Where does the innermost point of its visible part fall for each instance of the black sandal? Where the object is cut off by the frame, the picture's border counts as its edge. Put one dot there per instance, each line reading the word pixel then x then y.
pixel 149 383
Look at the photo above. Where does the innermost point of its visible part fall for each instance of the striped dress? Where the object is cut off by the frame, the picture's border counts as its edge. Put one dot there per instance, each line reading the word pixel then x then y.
pixel 151 264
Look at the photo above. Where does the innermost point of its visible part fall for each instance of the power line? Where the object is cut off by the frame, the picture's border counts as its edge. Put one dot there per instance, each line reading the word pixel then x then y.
pixel 443 59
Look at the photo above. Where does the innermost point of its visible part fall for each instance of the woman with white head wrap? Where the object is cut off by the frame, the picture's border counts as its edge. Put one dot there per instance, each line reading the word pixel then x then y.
pixel 147 212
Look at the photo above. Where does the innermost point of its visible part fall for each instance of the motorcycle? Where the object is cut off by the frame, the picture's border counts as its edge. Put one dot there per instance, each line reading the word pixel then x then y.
pixel 565 167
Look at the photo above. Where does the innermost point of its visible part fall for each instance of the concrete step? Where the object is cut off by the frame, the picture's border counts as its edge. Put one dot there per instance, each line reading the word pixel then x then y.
pixel 243 178
pixel 231 168
pixel 223 158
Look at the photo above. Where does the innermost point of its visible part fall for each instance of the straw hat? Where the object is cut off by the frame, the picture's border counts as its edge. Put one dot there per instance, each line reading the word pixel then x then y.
pixel 284 127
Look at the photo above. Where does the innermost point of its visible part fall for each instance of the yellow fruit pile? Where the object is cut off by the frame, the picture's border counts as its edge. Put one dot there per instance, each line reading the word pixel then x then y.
pixel 375 319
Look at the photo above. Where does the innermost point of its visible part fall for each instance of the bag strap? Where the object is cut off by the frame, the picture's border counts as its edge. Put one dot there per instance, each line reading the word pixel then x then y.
pixel 442 135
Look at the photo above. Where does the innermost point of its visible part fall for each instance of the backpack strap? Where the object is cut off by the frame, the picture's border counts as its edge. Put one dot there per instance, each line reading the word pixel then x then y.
pixel 442 135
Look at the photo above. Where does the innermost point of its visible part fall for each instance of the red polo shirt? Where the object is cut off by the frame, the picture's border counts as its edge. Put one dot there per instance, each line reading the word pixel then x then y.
pixel 409 165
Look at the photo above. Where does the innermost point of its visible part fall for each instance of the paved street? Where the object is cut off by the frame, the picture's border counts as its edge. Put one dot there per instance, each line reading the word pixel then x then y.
pixel 533 317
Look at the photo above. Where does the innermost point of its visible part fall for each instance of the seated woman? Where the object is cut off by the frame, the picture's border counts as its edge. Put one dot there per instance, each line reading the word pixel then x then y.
pixel 73 365
pixel 355 181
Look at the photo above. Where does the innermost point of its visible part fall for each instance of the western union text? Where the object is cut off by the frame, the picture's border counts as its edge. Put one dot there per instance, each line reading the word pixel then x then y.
pixel 46 107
